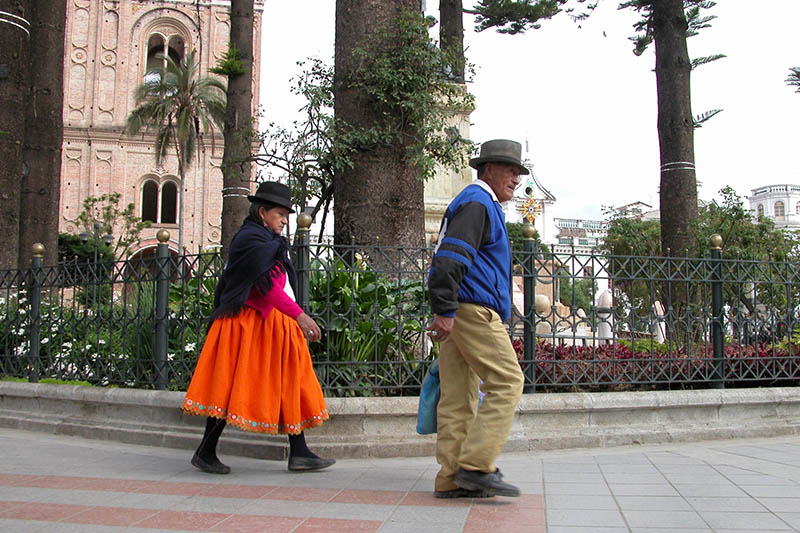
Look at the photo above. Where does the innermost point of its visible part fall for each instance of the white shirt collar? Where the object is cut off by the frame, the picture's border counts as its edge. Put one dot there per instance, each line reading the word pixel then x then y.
pixel 485 186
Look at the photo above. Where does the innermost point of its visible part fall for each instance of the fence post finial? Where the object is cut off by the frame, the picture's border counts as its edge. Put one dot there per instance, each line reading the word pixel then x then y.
pixel 528 231
pixel 715 241
pixel 38 249
pixel 303 221
pixel 162 235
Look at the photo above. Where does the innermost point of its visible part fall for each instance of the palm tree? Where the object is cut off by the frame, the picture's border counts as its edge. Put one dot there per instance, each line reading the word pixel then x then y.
pixel 794 78
pixel 180 106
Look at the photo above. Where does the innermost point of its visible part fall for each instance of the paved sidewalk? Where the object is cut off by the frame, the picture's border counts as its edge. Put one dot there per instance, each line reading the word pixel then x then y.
pixel 55 483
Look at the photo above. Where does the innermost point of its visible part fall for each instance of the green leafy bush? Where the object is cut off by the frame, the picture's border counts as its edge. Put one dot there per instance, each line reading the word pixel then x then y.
pixel 366 318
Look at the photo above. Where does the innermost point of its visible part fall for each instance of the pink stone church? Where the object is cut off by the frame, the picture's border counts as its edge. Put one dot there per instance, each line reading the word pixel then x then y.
pixel 109 46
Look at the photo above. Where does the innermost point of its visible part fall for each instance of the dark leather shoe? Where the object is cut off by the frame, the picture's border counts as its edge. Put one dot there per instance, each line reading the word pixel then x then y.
pixel 215 467
pixel 460 493
pixel 491 482
pixel 307 464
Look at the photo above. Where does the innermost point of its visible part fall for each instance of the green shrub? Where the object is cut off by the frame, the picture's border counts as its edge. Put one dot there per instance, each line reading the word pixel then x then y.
pixel 366 318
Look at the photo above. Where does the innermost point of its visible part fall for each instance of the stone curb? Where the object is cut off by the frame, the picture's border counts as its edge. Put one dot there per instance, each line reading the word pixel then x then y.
pixel 385 427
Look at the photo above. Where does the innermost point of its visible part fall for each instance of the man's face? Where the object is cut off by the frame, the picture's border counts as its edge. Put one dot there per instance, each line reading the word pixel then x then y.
pixel 503 179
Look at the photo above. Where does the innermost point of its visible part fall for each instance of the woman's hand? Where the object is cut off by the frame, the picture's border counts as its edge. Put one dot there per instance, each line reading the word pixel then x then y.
pixel 310 328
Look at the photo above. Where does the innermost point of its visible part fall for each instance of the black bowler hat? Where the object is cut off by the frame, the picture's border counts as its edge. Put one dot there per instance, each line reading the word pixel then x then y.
pixel 272 192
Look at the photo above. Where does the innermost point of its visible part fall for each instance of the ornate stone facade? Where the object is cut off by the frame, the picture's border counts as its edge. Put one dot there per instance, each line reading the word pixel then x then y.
pixel 780 202
pixel 108 45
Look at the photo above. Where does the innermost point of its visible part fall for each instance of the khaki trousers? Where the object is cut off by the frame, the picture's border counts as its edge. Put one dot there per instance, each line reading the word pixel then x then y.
pixel 478 348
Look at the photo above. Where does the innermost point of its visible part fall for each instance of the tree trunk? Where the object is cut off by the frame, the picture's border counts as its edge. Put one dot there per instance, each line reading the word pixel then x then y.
pixel 678 192
pixel 15 18
pixel 451 35
pixel 380 199
pixel 238 114
pixel 44 125
pixel 182 177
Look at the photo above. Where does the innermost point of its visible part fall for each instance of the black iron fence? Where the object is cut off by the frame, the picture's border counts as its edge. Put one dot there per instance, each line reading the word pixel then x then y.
pixel 581 322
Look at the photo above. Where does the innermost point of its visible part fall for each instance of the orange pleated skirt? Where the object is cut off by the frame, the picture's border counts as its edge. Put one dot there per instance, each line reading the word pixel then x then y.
pixel 256 374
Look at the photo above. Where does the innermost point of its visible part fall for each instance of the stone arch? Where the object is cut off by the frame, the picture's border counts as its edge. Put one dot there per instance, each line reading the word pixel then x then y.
pixel 168 23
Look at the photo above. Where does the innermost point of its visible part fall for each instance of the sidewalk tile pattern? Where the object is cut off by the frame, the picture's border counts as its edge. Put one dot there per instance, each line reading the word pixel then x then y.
pixel 63 484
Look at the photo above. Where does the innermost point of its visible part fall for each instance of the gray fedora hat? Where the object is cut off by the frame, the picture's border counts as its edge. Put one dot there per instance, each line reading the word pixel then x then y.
pixel 500 151
pixel 272 192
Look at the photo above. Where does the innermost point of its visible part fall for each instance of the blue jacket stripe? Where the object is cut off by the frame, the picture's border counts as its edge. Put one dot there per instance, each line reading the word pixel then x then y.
pixel 462 244
pixel 452 255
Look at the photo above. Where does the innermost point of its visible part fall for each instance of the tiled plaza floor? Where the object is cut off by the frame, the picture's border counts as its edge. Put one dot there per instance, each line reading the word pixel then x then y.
pixel 54 483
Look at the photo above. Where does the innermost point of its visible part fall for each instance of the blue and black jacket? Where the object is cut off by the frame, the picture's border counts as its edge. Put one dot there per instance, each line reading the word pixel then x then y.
pixel 472 262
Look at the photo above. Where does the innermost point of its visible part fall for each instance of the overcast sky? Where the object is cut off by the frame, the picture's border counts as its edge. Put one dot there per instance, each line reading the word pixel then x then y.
pixel 585 106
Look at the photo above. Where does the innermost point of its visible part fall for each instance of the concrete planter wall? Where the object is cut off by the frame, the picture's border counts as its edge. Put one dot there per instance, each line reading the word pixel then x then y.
pixel 385 427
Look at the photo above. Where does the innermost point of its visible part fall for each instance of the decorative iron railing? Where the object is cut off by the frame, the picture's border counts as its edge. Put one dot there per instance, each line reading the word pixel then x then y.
pixel 644 322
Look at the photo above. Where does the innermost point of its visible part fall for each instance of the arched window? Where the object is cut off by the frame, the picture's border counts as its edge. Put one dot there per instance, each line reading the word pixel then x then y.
pixel 160 46
pixel 159 201
pixel 150 200
pixel 780 210
pixel 797 208
pixel 169 201
pixel 760 211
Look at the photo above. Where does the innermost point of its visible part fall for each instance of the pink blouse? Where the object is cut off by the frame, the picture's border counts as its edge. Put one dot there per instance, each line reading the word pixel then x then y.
pixel 276 297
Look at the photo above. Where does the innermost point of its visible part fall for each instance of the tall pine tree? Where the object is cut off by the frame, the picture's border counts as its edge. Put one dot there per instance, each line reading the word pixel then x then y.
pixel 44 128
pixel 236 168
pixel 15 23
pixel 381 195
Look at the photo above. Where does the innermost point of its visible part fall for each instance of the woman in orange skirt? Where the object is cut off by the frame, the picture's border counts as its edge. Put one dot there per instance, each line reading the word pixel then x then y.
pixel 255 369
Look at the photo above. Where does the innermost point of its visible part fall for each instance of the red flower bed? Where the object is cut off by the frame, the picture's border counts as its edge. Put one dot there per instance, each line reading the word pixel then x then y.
pixel 617 367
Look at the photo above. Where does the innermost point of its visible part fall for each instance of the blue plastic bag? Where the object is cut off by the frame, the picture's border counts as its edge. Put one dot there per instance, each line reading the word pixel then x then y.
pixel 429 401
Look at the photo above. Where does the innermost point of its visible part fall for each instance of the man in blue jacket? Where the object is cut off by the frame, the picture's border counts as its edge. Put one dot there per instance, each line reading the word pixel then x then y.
pixel 470 288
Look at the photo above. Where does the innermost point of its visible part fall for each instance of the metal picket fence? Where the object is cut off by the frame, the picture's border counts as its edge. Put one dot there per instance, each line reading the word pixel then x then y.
pixel 646 322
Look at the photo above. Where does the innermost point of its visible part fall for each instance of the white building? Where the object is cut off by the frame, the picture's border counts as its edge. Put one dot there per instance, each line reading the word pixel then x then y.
pixel 781 203
pixel 639 211
pixel 578 235
pixel 530 188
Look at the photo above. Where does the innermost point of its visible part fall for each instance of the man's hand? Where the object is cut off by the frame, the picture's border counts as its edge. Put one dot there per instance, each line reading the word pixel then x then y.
pixel 441 327
pixel 310 328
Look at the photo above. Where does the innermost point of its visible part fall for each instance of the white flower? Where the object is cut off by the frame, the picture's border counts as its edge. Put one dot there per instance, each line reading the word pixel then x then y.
pixel 45 340
pixel 190 347
pixel 101 341
pixel 66 345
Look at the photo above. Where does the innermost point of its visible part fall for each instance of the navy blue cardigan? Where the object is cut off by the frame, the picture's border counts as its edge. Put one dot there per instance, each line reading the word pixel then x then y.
pixel 254 254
